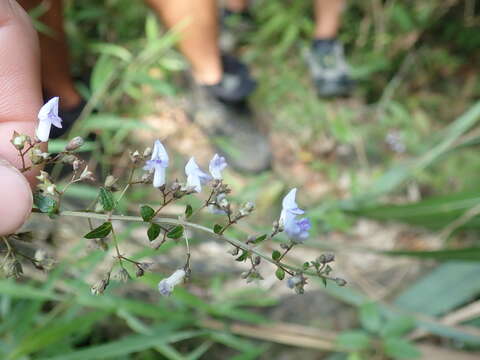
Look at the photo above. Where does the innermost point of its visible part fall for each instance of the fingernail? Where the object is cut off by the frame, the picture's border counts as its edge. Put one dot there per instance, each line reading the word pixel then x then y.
pixel 15 197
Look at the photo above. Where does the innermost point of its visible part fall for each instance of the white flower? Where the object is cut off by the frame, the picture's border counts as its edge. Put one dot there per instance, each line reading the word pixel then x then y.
pixel 158 164
pixel 216 166
pixel 195 176
pixel 296 229
pixel 166 285
pixel 48 116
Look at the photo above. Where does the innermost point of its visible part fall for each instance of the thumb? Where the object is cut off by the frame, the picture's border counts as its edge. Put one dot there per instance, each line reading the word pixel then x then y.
pixel 16 198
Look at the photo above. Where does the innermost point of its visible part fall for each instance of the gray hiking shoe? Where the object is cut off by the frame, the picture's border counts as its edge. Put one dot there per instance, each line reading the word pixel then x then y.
pixel 222 113
pixel 329 69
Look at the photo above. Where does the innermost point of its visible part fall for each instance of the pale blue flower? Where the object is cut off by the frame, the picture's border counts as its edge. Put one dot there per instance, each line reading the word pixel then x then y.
pixel 48 116
pixel 166 285
pixel 158 164
pixel 195 176
pixel 216 166
pixel 296 229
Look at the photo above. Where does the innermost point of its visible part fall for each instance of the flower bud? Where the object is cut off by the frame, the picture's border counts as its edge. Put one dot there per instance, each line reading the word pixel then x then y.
pixel 110 181
pixel 99 287
pixel 234 251
pixel 326 258
pixel 12 268
pixel 147 152
pixel 166 285
pixel 75 143
pixel 87 175
pixel 247 208
pixel 256 260
pixel 123 275
pixel 341 282
pixel 135 157
pixel 140 272
pixel 18 140
pixel 175 186
pixel 37 156
pixel 76 165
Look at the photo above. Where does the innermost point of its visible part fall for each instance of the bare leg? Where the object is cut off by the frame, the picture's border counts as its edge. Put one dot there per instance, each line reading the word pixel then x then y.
pixel 327 18
pixel 199 34
pixel 237 5
pixel 55 57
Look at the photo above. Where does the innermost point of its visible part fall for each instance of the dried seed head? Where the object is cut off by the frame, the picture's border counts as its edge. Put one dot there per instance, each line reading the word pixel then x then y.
pixel 75 143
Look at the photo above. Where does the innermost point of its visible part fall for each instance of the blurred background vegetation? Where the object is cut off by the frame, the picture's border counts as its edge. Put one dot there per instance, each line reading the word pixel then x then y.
pixel 390 177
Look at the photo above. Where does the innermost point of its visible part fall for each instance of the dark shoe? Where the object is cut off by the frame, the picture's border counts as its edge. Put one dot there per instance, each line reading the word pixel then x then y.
pixel 329 69
pixel 233 28
pixel 223 114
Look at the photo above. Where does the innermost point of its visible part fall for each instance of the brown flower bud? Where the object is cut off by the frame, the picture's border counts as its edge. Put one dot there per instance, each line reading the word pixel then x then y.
pixel 75 143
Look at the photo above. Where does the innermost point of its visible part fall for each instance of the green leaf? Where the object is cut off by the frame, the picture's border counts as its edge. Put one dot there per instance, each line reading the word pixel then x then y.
pixel 106 199
pixel 153 231
pixel 429 295
pixel 45 204
pixel 188 211
pixel 276 255
pixel 146 212
pixel 398 326
pixel 176 232
pixel 280 274
pixel 400 349
pixel 100 232
pixel 242 257
pixel 370 317
pixel 217 228
pixel 259 239
pixel 353 340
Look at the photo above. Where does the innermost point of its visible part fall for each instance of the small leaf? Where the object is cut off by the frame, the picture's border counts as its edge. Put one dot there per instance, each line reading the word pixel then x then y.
pixel 45 204
pixel 353 340
pixel 153 231
pixel 188 211
pixel 324 281
pixel 100 232
pixel 280 274
pixel 398 326
pixel 259 239
pixel 146 212
pixel 370 317
pixel 106 199
pixel 276 255
pixel 176 232
pixel 243 257
pixel 217 229
pixel 400 349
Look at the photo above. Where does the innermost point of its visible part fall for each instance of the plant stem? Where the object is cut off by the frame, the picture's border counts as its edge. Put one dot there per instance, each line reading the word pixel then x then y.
pixel 172 221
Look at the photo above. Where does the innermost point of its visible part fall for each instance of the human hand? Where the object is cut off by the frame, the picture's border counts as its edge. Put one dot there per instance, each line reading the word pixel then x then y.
pixel 20 100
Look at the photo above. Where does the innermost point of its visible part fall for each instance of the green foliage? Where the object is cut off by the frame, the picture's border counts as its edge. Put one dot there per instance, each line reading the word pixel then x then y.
pixel 100 232
pixel 153 231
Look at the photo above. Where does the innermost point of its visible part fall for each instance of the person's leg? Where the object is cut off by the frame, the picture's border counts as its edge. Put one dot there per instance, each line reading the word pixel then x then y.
pixel 327 18
pixel 326 59
pixel 199 34
pixel 55 57
pixel 237 6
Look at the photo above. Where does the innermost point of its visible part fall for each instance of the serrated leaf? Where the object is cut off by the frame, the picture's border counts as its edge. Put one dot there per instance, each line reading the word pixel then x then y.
pixel 242 257
pixel 280 274
pixel 259 239
pixel 188 211
pixel 276 255
pixel 106 199
pixel 353 340
pixel 176 232
pixel 100 232
pixel 400 349
pixel 217 228
pixel 153 231
pixel 146 212
pixel 370 317
pixel 45 204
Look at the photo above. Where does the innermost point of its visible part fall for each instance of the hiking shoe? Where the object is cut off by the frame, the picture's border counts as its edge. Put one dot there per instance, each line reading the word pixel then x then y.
pixel 233 25
pixel 222 112
pixel 329 69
